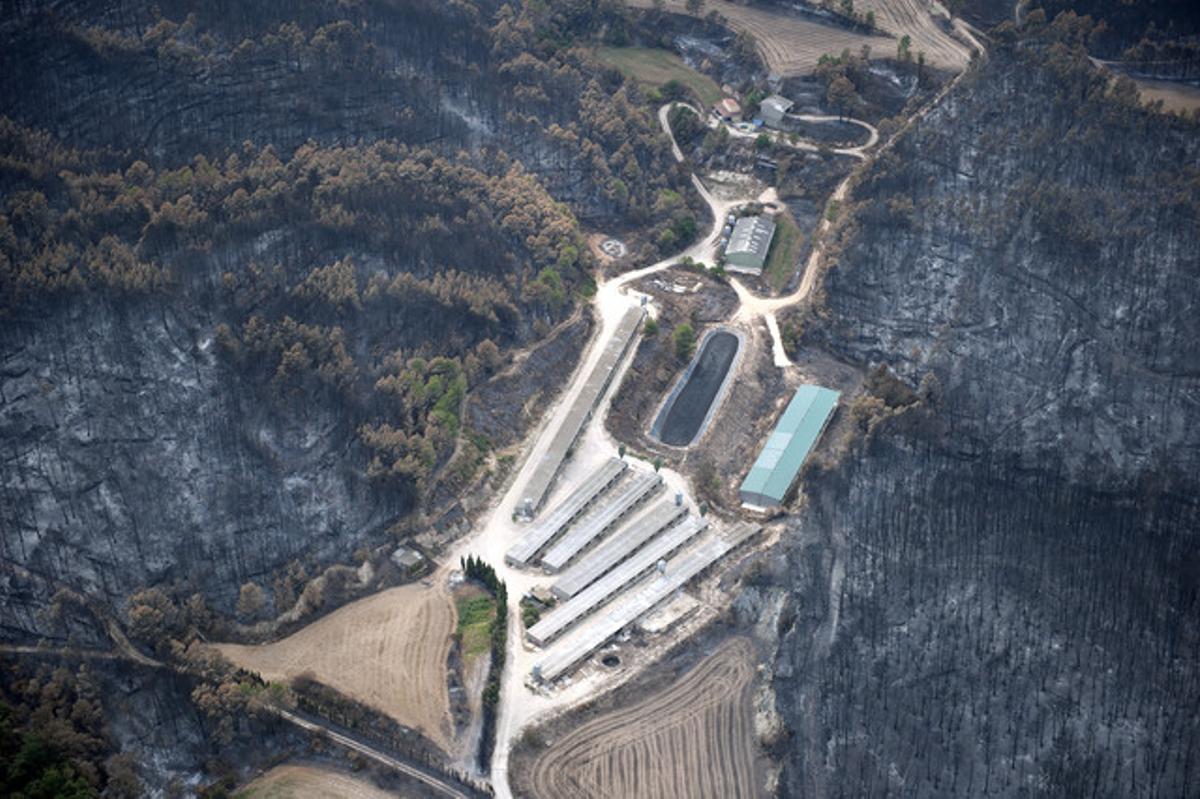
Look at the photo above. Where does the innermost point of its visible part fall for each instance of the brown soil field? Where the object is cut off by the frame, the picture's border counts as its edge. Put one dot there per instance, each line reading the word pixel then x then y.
pixel 310 782
pixel 695 739
pixel 388 651
pixel 789 45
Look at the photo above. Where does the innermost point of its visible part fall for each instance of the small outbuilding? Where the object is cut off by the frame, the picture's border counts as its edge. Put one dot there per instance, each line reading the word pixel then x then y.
pixel 408 559
pixel 749 244
pixel 772 110
pixel 542 596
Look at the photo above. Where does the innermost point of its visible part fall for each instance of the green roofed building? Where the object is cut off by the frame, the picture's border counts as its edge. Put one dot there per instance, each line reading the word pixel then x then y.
pixel 785 451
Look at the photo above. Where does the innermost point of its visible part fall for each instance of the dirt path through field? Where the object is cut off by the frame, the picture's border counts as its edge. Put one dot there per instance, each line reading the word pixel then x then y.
pixel 694 739
pixel 388 651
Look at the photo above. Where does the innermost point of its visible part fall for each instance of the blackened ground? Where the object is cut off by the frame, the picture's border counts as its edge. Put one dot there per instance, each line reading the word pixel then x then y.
pixel 685 414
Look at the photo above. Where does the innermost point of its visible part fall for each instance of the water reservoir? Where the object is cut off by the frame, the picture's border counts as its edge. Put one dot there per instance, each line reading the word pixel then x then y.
pixel 688 408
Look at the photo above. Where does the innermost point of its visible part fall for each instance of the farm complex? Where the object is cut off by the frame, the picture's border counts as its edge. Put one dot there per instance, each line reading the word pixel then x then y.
pixel 612 580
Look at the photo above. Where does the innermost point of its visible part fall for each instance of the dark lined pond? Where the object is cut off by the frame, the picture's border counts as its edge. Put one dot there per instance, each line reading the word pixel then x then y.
pixel 685 413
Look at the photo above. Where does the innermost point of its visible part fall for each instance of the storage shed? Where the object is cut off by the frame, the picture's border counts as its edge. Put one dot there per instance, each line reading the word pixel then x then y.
pixel 749 244
pixel 772 109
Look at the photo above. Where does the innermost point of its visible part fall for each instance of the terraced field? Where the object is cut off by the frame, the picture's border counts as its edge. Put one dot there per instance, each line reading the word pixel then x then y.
pixel 694 739
pixel 388 651
pixel 310 782
pixel 792 45
pixel 915 18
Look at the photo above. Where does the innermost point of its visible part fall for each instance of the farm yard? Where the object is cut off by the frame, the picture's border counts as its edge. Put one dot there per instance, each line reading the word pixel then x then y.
pixel 306 782
pixel 695 738
pixel 388 651
pixel 651 67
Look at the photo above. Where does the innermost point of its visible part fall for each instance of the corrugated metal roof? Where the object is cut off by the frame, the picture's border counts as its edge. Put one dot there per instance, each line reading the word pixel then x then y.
pixel 778 104
pixel 547 467
pixel 540 533
pixel 788 446
pixel 637 600
pixel 751 234
pixel 604 516
pixel 609 554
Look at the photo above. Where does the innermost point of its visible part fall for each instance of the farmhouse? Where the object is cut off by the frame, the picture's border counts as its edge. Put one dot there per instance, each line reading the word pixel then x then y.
pixel 728 110
pixel 772 109
pixel 786 450
pixel 749 244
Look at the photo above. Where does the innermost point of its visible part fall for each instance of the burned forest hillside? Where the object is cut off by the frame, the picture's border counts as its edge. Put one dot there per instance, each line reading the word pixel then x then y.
pixel 1003 597
pixel 343 345
pixel 253 259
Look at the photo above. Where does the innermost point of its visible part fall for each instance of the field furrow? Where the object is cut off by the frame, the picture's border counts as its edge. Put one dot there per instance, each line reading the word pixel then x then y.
pixel 791 44
pixel 694 739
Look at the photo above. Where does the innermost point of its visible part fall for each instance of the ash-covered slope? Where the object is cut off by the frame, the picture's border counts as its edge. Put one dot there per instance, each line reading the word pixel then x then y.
pixel 136 456
pixel 1003 597
pixel 252 261
pixel 1033 243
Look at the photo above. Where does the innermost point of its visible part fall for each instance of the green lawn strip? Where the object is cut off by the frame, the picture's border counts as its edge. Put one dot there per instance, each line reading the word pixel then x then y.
pixel 475 617
pixel 781 261
pixel 654 67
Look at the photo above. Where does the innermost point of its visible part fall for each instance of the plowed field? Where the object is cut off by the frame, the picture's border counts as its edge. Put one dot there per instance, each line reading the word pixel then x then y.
pixel 915 19
pixel 694 739
pixel 792 45
pixel 388 651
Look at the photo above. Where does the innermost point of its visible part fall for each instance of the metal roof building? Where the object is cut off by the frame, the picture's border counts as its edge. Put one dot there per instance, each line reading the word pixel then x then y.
pixel 540 533
pixel 785 451
pixel 749 244
pixel 773 108
pixel 640 599
pixel 574 609
pixel 581 410
pixel 606 514
pixel 616 548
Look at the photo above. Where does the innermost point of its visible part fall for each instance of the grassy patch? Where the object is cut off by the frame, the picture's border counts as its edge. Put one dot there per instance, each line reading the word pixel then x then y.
pixel 475 617
pixel 781 261
pixel 653 67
